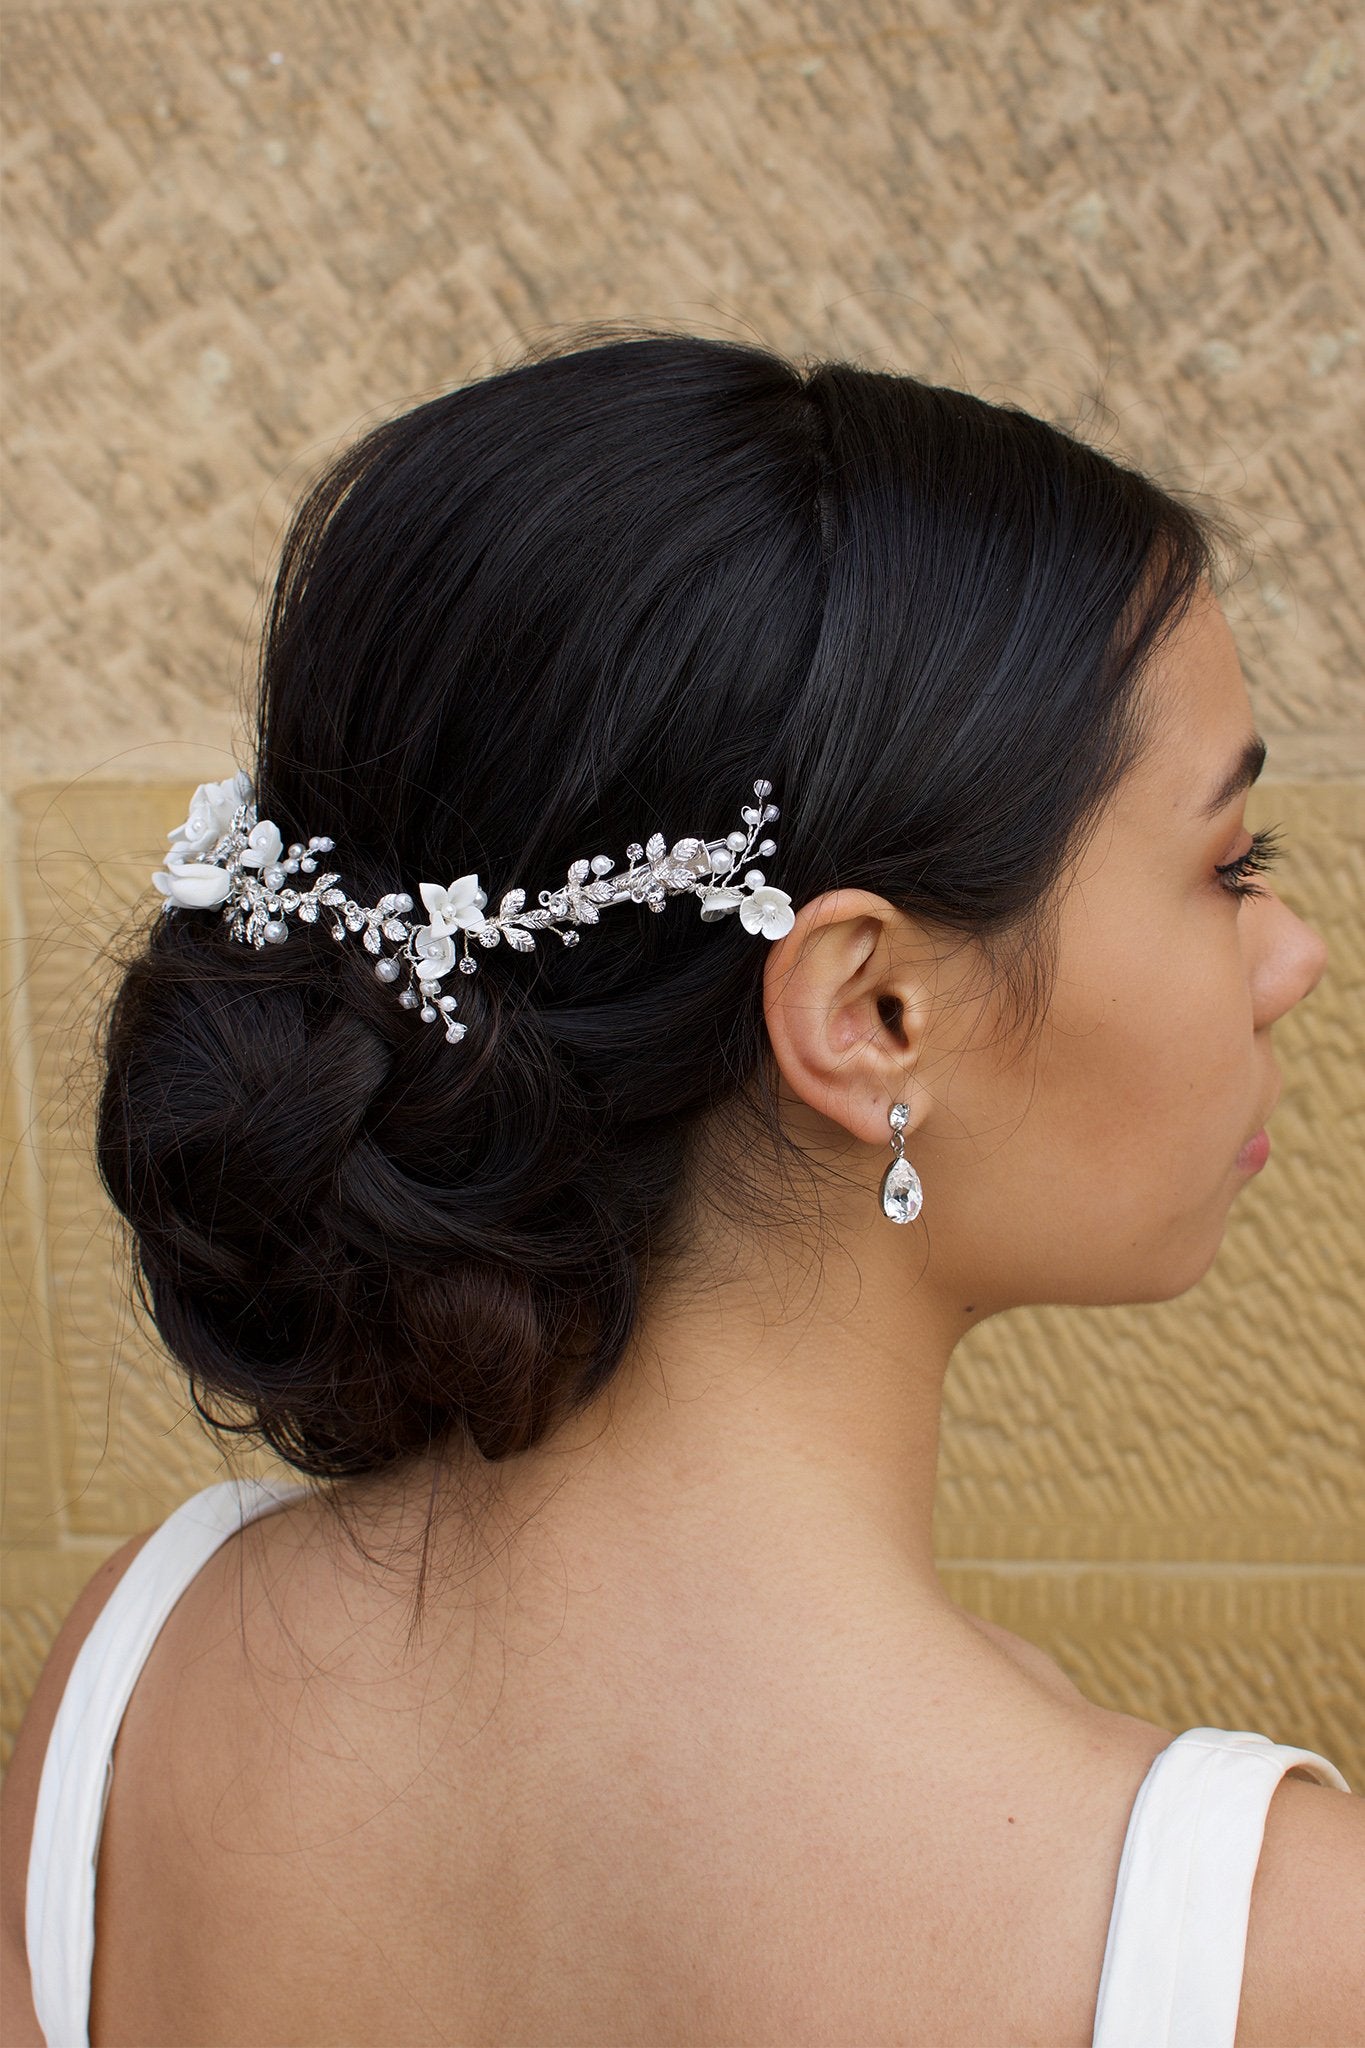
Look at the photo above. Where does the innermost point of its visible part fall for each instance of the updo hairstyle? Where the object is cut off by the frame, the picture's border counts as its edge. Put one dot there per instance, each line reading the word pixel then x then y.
pixel 589 597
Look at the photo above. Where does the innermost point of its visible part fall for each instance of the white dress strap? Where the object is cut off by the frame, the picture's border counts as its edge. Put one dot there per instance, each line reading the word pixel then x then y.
pixel 73 1790
pixel 1172 1971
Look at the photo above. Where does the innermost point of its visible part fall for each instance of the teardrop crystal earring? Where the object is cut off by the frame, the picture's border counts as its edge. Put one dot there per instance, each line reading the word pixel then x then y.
pixel 902 1195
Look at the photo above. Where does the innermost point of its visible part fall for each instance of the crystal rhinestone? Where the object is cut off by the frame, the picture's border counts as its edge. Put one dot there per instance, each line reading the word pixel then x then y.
pixel 386 970
pixel 467 965
pixel 900 1116
pixel 428 1013
pixel 276 931
pixel 569 938
pixel 902 1196
pixel 408 999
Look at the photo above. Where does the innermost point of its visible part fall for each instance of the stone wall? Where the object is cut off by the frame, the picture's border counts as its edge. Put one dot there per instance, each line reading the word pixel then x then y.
pixel 236 235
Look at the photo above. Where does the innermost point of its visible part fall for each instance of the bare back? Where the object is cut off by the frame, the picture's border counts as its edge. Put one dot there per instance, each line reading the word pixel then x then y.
pixel 597 1835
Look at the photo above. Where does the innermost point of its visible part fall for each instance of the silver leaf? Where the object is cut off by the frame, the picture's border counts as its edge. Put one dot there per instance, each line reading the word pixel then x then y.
pixel 395 931
pixel 580 871
pixel 371 940
pixel 656 845
pixel 308 909
pixel 519 940
pixel 331 895
pixel 512 902
pixel 588 913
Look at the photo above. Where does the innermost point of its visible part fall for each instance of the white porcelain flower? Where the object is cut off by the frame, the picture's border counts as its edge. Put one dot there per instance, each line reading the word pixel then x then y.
pixel 717 903
pixel 459 905
pixel 203 883
pixel 195 884
pixel 263 847
pixel 435 951
pixel 211 809
pixel 769 911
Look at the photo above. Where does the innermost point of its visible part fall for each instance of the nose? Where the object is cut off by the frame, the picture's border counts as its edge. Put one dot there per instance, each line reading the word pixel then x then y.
pixel 1294 962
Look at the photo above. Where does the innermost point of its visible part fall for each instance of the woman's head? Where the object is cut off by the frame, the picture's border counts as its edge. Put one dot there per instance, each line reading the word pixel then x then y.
pixel 589 598
pixel 1099 1168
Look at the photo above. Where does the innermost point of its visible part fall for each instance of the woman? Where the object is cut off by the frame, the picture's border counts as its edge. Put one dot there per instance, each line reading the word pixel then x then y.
pixel 602 1689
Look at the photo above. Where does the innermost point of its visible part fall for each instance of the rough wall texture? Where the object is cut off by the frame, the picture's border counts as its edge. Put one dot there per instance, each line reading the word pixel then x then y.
pixel 235 235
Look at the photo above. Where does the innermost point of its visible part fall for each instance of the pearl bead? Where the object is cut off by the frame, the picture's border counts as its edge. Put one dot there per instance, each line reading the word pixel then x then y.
pixel 276 932
pixel 386 970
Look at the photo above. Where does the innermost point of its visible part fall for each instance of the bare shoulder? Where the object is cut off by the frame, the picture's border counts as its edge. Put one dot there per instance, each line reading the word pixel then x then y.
pixel 20 1794
pixel 1304 1976
pixel 1029 1657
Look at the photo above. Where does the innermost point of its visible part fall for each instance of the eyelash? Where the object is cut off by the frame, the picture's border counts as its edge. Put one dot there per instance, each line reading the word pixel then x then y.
pixel 1264 851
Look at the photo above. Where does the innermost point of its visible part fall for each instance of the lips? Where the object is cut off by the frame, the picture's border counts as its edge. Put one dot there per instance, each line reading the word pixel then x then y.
pixel 1257 1145
pixel 1254 1153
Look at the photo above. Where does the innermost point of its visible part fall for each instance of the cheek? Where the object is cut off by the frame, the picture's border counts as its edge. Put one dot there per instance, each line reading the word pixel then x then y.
pixel 1151 1037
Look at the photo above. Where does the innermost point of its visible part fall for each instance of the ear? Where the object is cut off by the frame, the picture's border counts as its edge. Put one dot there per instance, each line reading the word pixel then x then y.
pixel 847 1010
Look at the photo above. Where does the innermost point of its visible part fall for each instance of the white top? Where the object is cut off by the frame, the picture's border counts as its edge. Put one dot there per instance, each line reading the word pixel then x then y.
pixel 1172 1973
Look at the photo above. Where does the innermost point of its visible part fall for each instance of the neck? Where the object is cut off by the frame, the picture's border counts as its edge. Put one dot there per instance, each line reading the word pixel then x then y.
pixel 805 1445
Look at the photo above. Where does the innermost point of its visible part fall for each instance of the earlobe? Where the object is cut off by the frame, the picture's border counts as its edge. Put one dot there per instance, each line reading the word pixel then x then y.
pixel 836 1028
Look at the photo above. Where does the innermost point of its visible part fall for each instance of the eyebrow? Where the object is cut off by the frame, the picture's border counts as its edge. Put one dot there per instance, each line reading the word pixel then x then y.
pixel 1240 776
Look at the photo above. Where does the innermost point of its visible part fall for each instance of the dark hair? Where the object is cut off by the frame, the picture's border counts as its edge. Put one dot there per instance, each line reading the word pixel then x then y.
pixel 592 596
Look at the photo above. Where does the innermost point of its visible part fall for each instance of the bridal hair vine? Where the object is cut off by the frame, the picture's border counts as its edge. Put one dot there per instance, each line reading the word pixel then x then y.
pixel 226 858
